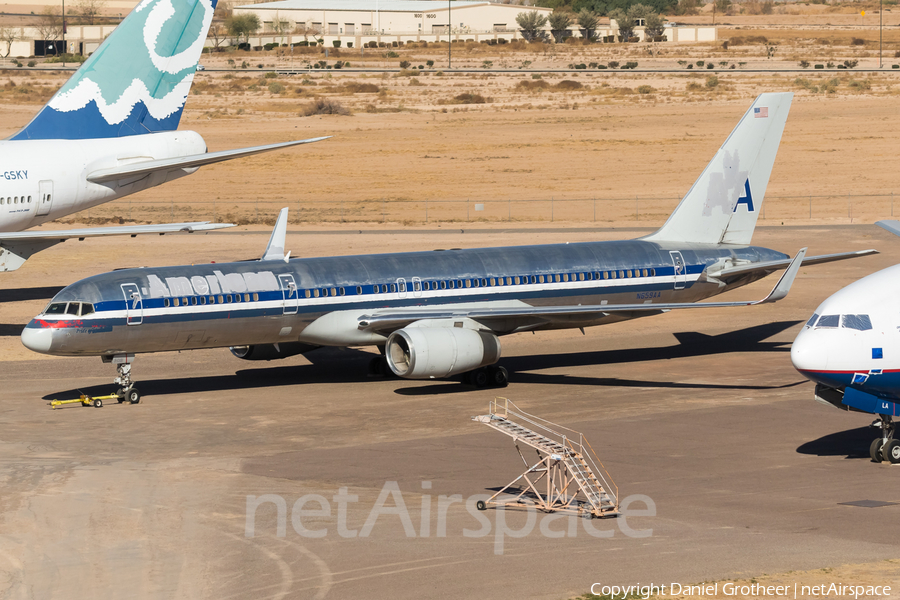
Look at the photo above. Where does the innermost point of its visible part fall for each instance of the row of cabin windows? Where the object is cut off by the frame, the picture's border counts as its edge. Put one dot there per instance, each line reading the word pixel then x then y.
pixel 77 309
pixel 15 200
pixel 84 308
pixel 419 286
pixel 202 300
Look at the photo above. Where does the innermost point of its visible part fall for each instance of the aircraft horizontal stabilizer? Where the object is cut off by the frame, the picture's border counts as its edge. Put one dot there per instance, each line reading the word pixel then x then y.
pixel 777 265
pixel 186 162
pixel 17 247
pixel 508 320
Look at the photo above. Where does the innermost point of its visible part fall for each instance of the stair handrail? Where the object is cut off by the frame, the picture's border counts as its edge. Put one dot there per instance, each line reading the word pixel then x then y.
pixel 581 447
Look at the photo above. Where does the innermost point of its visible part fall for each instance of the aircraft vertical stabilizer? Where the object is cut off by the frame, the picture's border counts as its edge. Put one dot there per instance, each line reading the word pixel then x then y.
pixel 136 82
pixel 724 203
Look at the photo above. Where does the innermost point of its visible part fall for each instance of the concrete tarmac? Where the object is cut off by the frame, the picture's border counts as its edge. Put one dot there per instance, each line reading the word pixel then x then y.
pixel 698 416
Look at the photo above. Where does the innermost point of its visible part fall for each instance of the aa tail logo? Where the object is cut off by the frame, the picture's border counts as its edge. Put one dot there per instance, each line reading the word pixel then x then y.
pixel 747 198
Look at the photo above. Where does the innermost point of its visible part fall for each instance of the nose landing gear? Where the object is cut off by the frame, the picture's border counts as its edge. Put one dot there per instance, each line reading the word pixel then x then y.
pixel 126 392
pixel 885 447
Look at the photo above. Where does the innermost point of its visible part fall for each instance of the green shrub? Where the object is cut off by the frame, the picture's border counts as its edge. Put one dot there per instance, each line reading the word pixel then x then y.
pixel 275 88
pixel 271 75
pixel 645 89
pixel 336 43
pixel 712 81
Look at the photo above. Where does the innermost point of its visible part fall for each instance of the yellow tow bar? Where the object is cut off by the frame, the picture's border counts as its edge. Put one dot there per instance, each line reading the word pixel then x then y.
pixel 85 400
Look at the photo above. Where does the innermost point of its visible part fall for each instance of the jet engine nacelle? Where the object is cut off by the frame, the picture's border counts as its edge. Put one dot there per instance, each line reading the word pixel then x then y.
pixel 270 351
pixel 436 352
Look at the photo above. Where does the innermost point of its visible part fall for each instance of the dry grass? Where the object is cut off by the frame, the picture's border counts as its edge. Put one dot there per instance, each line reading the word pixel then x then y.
pixel 324 106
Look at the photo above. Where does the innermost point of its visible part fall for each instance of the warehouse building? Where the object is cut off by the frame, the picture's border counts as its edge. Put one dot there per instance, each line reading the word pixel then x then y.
pixel 396 20
pixel 357 22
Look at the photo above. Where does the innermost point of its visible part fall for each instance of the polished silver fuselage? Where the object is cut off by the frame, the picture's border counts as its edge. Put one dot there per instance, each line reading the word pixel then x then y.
pixel 320 301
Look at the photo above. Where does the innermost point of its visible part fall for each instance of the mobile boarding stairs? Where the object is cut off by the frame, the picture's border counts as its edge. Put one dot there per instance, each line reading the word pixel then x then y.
pixel 568 476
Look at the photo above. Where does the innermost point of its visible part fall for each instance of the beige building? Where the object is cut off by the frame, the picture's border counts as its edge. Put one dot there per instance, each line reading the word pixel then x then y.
pixel 356 22
pixel 393 20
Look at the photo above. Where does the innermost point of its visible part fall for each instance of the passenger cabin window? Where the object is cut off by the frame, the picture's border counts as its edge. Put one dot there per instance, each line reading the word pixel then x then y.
pixel 858 322
pixel 829 321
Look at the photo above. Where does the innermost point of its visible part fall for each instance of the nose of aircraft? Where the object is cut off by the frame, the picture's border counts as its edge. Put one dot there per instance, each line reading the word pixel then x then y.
pixel 808 353
pixel 37 339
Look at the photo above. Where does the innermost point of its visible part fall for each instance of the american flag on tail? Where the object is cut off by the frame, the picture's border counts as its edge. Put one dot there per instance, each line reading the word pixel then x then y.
pixel 761 112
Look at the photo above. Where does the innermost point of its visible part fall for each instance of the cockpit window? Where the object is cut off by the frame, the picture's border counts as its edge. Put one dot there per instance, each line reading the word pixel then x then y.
pixel 812 320
pixel 73 308
pixel 86 309
pixel 829 321
pixel 56 308
pixel 860 322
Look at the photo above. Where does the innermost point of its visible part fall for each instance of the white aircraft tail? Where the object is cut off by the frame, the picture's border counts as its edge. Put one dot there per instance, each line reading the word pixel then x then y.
pixel 724 203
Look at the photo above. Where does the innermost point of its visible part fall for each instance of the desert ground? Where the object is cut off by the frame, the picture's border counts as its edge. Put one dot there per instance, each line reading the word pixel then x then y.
pixel 703 414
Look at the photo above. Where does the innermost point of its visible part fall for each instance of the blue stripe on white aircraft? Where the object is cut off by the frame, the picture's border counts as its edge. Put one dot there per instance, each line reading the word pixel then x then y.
pixel 110 131
pixel 438 314
pixel 850 348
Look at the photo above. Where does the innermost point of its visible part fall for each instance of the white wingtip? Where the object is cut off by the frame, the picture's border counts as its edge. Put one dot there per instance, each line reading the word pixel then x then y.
pixel 275 249
pixel 784 284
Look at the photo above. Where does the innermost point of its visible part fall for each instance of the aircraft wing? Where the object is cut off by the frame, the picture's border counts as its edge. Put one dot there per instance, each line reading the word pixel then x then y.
pixel 185 162
pixel 509 320
pixel 892 226
pixel 17 247
pixel 775 265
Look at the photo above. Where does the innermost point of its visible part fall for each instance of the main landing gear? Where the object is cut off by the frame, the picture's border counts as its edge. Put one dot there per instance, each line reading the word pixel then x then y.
pixel 885 447
pixel 126 392
pixel 492 376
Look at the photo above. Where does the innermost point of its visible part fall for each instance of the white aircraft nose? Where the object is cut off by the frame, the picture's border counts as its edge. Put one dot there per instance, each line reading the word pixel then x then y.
pixel 37 339
pixel 808 353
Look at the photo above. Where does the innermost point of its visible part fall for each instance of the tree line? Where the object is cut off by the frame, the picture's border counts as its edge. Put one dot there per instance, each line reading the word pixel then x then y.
pixel 532 24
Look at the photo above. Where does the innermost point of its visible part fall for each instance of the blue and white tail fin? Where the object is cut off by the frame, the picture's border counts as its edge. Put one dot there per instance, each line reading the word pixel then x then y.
pixel 136 82
pixel 724 203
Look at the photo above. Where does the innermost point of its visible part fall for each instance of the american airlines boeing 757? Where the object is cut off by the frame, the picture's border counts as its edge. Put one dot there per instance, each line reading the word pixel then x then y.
pixel 438 314
pixel 110 131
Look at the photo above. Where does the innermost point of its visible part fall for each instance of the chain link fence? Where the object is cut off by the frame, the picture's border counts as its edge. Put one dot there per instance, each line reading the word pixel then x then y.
pixel 637 210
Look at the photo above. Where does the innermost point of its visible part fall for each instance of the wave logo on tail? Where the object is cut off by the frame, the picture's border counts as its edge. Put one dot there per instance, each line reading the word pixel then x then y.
pixel 138 80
